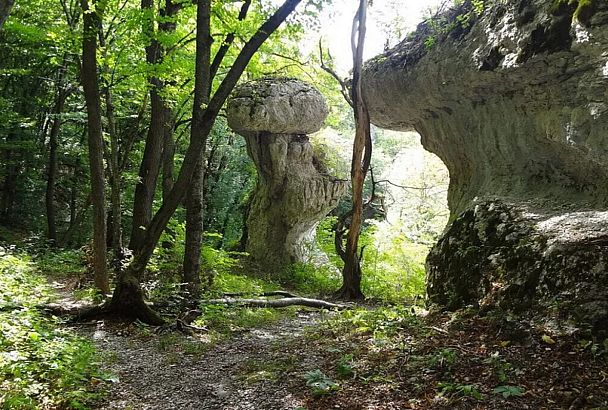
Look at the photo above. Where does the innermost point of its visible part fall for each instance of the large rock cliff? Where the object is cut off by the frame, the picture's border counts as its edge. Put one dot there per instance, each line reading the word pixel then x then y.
pixel 514 101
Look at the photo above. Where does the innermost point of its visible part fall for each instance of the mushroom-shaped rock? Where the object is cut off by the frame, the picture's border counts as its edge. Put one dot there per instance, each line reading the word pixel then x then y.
pixel 293 195
pixel 515 103
pixel 278 106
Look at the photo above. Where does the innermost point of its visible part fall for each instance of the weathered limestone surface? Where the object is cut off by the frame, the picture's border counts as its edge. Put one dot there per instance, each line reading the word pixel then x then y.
pixel 516 106
pixel 293 195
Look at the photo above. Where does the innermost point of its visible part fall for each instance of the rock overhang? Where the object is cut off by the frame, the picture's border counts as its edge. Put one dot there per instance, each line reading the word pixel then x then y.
pixel 523 78
pixel 516 107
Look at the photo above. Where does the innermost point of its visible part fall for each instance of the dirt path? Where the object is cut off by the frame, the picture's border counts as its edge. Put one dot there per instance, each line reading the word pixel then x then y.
pixel 253 370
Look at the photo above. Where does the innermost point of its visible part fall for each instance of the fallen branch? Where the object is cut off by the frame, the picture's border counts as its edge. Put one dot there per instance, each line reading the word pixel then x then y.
pixel 79 312
pixel 275 303
pixel 265 294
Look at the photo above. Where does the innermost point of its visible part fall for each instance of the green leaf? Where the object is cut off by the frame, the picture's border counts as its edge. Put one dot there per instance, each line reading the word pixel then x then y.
pixel 508 391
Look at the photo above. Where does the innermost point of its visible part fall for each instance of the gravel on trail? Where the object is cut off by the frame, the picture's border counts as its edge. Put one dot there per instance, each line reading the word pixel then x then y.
pixel 252 370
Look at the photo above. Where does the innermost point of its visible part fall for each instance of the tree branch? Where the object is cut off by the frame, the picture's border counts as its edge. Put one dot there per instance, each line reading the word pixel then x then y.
pixel 343 85
pixel 221 53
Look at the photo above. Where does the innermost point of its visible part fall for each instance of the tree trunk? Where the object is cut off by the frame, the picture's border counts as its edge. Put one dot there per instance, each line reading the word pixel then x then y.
pixel 194 232
pixel 5 10
pixel 194 198
pixel 160 125
pixel 9 186
pixel 62 95
pixel 168 160
pixel 128 297
pixel 351 275
pixel 115 181
pixel 90 83
pixel 115 217
pixel 73 198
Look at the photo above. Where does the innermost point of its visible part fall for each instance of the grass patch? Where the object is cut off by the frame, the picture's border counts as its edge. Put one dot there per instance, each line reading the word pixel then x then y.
pixel 41 364
pixel 229 319
pixel 255 369
pixel 63 262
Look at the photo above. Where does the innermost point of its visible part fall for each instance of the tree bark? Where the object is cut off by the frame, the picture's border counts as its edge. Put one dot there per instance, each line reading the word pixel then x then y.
pixel 160 125
pixel 90 81
pixel 168 161
pixel 128 298
pixel 62 95
pixel 115 218
pixel 194 197
pixel 362 149
pixel 9 186
pixel 5 10
pixel 194 233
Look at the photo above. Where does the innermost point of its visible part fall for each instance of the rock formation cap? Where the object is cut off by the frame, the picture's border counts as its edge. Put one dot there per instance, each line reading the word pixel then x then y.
pixel 278 105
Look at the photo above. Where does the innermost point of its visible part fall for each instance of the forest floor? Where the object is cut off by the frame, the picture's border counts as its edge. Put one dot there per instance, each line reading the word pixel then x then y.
pixel 367 358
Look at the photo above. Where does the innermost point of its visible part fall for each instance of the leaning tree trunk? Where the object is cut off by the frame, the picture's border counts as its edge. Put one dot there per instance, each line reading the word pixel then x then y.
pixel 362 150
pixel 196 193
pixel 92 19
pixel 128 297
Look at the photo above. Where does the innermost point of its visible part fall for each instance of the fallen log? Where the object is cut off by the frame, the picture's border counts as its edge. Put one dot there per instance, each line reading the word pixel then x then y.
pixel 265 294
pixel 275 303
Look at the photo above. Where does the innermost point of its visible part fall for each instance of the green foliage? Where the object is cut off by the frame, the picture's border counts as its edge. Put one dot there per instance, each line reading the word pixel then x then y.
pixel 443 356
pixel 227 319
pixel 440 24
pixel 346 365
pixel 41 364
pixel 393 268
pixel 382 322
pixel 61 261
pixel 230 178
pixel 584 8
pixel 320 383
pixel 308 279
pixel 508 391
pixel 460 389
pixel 501 365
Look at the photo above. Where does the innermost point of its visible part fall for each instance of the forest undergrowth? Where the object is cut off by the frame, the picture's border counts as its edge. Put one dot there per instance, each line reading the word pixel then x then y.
pixel 381 355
